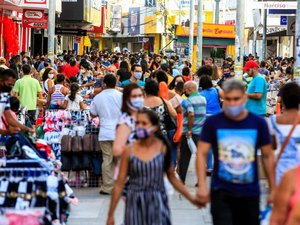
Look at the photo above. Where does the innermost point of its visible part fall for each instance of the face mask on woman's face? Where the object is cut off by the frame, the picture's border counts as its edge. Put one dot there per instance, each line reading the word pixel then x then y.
pixel 136 104
pixel 50 75
pixel 82 71
pixel 143 133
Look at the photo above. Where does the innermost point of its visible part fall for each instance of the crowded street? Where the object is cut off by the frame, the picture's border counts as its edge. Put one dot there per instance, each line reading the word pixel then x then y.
pixel 155 112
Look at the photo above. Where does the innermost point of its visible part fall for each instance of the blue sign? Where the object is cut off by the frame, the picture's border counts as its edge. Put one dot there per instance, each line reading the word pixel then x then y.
pixel 282 11
pixel 283 20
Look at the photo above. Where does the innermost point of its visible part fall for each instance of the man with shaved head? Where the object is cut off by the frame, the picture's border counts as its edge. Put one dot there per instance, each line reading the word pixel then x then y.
pixel 194 111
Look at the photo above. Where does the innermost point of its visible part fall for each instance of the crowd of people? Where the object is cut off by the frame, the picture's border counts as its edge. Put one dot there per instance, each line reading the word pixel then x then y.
pixel 152 108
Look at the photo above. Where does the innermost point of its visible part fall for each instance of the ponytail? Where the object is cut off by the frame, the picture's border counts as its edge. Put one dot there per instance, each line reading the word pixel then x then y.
pixel 74 89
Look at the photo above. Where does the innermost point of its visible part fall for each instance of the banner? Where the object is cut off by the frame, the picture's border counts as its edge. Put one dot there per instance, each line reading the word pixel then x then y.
pixel 36 4
pixel 134 21
pixel 274 5
pixel 209 30
pixel 33 18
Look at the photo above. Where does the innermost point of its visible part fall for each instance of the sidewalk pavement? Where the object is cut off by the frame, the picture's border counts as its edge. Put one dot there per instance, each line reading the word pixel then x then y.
pixel 93 208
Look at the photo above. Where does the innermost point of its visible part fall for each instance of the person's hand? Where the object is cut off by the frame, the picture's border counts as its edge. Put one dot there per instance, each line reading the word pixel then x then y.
pixel 59 102
pixel 270 198
pixel 203 195
pixel 13 130
pixel 30 130
pixel 195 201
pixel 74 201
pixel 110 220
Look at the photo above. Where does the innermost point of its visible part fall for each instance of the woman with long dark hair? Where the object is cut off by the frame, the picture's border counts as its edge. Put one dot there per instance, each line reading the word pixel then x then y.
pixel 124 72
pixel 73 101
pixel 48 80
pixel 133 100
pixel 145 163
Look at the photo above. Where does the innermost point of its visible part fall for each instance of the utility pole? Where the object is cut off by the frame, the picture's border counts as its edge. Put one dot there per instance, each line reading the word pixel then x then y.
pixel 254 40
pixel 51 29
pixel 264 49
pixel 199 34
pixel 297 47
pixel 217 13
pixel 239 39
pixel 191 38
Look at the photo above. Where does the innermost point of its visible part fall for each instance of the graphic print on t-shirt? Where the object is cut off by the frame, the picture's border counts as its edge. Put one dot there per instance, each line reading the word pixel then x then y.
pixel 237 155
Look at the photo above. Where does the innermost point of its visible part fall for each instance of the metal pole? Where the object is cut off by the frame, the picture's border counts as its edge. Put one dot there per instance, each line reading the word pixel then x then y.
pixel 51 30
pixel 254 41
pixel 217 13
pixel 199 34
pixel 191 38
pixel 264 49
pixel 297 47
pixel 239 39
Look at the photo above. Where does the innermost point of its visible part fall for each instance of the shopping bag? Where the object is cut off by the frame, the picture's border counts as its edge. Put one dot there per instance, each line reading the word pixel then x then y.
pixel 265 216
pixel 192 145
pixel 178 133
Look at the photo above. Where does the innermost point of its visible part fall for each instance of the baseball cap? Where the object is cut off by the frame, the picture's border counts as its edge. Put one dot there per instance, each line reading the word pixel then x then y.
pixel 250 65
pixel 2 60
pixel 60 58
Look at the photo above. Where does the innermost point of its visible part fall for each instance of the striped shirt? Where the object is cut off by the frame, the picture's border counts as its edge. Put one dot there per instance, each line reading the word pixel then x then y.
pixel 57 95
pixel 4 104
pixel 195 104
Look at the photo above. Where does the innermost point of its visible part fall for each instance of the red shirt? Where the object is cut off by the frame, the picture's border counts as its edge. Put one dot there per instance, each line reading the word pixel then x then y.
pixel 186 78
pixel 71 71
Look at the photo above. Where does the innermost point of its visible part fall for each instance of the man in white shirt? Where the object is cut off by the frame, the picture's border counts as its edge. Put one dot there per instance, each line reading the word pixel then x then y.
pixel 107 106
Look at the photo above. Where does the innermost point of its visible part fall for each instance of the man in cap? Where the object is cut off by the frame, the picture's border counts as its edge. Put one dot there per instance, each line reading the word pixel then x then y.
pixel 257 90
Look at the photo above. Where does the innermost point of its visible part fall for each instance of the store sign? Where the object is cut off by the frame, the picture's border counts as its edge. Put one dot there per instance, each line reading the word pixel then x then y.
pixel 35 4
pixel 274 5
pixel 209 30
pixel 34 19
pixel 75 32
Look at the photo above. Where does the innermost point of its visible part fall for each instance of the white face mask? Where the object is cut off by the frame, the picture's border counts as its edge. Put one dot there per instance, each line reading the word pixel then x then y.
pixel 50 75
pixel 82 70
pixel 137 75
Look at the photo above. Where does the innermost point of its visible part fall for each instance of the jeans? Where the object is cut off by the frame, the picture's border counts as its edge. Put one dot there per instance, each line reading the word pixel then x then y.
pixel 229 209
pixel 170 135
pixel 185 156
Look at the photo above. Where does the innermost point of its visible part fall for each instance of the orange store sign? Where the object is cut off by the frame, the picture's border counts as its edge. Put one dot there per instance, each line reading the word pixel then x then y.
pixel 209 30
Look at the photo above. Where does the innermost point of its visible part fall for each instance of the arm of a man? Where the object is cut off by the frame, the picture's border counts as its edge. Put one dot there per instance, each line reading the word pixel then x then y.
pixel 93 110
pixel 259 89
pixel 191 117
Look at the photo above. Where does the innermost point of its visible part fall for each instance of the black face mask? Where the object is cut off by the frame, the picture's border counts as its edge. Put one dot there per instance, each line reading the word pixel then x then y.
pixel 186 94
pixel 6 88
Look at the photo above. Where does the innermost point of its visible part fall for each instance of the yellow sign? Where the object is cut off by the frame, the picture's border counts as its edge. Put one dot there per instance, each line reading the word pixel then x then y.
pixel 208 16
pixel 150 25
pixel 209 30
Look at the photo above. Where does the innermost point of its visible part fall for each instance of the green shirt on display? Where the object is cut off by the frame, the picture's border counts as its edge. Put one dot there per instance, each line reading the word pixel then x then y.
pixel 28 89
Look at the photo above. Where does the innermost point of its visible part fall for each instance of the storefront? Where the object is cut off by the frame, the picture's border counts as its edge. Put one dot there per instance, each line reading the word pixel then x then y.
pixel 76 19
pixel 218 40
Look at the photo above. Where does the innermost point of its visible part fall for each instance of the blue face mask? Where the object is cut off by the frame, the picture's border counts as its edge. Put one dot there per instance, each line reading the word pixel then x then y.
pixel 234 111
pixel 227 74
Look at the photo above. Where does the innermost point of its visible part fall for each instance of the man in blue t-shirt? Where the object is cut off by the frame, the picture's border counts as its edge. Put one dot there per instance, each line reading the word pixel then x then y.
pixel 235 135
pixel 257 90
pixel 136 75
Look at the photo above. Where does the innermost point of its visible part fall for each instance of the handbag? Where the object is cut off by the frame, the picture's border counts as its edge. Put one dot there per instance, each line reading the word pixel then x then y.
pixel 169 123
pixel 87 143
pixel 287 139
